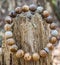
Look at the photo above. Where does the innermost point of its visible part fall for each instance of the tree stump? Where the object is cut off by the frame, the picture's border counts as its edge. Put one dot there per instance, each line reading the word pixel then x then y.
pixel 31 35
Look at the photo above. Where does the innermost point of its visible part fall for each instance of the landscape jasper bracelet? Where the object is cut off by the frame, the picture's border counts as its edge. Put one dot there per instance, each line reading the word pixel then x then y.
pixel 9 35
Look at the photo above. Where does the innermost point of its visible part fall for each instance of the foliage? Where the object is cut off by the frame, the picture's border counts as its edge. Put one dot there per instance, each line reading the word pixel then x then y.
pixel 56 8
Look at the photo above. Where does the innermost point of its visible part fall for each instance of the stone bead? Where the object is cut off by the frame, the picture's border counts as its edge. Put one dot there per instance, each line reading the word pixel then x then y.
pixel 10 41
pixel 18 10
pixel 12 14
pixel 54 33
pixel 50 46
pixel 8 20
pixel 46 49
pixel 45 13
pixel 43 53
pixel 7 27
pixel 13 48
pixel 35 56
pixel 53 26
pixel 25 8
pixel 19 53
pixel 53 40
pixel 39 9
pixel 49 19
pixel 33 7
pixel 8 34
pixel 27 57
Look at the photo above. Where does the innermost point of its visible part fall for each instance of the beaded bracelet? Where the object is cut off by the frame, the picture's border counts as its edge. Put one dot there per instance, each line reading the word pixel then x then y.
pixel 10 41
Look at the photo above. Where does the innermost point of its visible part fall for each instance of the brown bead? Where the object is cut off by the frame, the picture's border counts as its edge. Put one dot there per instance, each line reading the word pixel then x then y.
pixel 35 56
pixel 10 41
pixel 27 57
pixel 7 27
pixel 46 13
pixel 53 26
pixel 18 10
pixel 50 46
pixel 25 8
pixel 13 48
pixel 49 19
pixel 8 20
pixel 19 53
pixel 12 14
pixel 53 40
pixel 33 7
pixel 43 53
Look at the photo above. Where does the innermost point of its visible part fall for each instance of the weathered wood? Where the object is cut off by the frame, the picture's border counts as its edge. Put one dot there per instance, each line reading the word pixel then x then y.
pixel 6 53
pixel 31 35
pixel 0 56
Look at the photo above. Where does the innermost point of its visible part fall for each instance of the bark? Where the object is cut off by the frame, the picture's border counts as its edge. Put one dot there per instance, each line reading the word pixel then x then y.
pixel 31 35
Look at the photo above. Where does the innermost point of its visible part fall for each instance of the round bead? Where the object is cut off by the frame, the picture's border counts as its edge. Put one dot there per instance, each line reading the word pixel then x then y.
pixel 50 46
pixel 19 53
pixel 43 53
pixel 25 8
pixel 12 14
pixel 40 9
pixel 8 34
pixel 53 40
pixel 10 41
pixel 53 26
pixel 27 57
pixel 49 19
pixel 7 27
pixel 18 10
pixel 13 48
pixel 8 20
pixel 33 7
pixel 54 33
pixel 46 49
pixel 46 13
pixel 35 56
